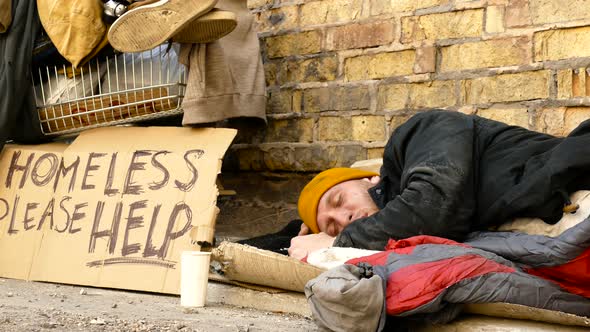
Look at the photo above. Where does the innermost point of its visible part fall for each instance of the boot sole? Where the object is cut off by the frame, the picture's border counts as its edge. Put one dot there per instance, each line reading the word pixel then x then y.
pixel 207 28
pixel 148 26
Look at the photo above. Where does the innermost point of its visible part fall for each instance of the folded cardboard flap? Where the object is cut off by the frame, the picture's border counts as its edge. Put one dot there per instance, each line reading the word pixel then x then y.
pixel 114 209
pixel 262 267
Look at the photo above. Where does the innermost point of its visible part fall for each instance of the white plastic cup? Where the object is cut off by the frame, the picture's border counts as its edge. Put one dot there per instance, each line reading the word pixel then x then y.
pixel 194 274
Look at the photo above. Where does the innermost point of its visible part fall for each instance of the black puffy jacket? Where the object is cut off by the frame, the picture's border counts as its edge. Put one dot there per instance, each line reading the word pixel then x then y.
pixel 447 174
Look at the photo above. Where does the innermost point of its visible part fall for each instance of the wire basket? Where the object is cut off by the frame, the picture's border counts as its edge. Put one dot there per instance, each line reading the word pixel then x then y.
pixel 120 89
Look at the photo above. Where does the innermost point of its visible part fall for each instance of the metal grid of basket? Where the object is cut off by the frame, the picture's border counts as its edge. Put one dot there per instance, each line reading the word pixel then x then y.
pixel 120 89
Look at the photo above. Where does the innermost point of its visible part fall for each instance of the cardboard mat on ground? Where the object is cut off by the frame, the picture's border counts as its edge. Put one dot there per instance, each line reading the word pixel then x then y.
pixel 255 266
pixel 113 209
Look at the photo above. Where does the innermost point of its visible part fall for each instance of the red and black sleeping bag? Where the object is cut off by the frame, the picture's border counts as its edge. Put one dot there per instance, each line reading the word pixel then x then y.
pixel 430 277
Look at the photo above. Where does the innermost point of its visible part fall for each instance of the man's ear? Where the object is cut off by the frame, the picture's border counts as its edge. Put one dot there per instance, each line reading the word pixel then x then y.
pixel 375 179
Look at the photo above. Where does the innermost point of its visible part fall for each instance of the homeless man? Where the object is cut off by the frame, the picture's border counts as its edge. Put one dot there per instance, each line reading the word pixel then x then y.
pixel 445 174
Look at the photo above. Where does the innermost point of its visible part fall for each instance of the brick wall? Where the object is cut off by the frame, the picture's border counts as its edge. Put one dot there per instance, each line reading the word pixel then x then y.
pixel 343 74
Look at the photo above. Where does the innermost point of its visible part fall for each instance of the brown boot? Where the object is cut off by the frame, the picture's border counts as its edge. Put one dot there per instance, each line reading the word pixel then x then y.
pixel 207 28
pixel 150 25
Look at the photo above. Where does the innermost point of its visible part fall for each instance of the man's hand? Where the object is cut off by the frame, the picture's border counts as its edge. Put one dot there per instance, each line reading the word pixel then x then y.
pixel 304 230
pixel 301 246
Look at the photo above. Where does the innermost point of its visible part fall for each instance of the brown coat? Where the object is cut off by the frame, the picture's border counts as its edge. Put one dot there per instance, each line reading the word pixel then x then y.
pixel 74 26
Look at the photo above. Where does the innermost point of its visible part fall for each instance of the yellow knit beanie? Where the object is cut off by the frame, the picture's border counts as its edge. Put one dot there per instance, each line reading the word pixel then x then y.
pixel 313 191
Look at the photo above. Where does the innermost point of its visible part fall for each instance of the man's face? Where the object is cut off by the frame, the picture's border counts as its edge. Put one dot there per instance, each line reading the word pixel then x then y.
pixel 345 203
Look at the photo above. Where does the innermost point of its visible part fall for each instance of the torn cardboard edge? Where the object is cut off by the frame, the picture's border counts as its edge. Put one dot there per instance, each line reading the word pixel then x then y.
pixel 113 209
pixel 517 311
pixel 213 276
pixel 243 263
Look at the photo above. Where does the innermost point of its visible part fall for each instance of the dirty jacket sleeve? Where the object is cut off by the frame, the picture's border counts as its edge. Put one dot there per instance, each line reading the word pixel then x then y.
pixel 426 183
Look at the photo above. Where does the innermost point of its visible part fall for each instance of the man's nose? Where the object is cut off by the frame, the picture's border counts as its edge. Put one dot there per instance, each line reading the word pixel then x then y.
pixel 337 216
pixel 341 216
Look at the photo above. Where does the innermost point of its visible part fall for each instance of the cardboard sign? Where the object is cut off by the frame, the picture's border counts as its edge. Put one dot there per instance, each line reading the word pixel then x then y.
pixel 114 209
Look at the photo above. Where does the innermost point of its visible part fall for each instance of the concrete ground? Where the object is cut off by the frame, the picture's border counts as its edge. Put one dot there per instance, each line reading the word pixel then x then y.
pixel 35 306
